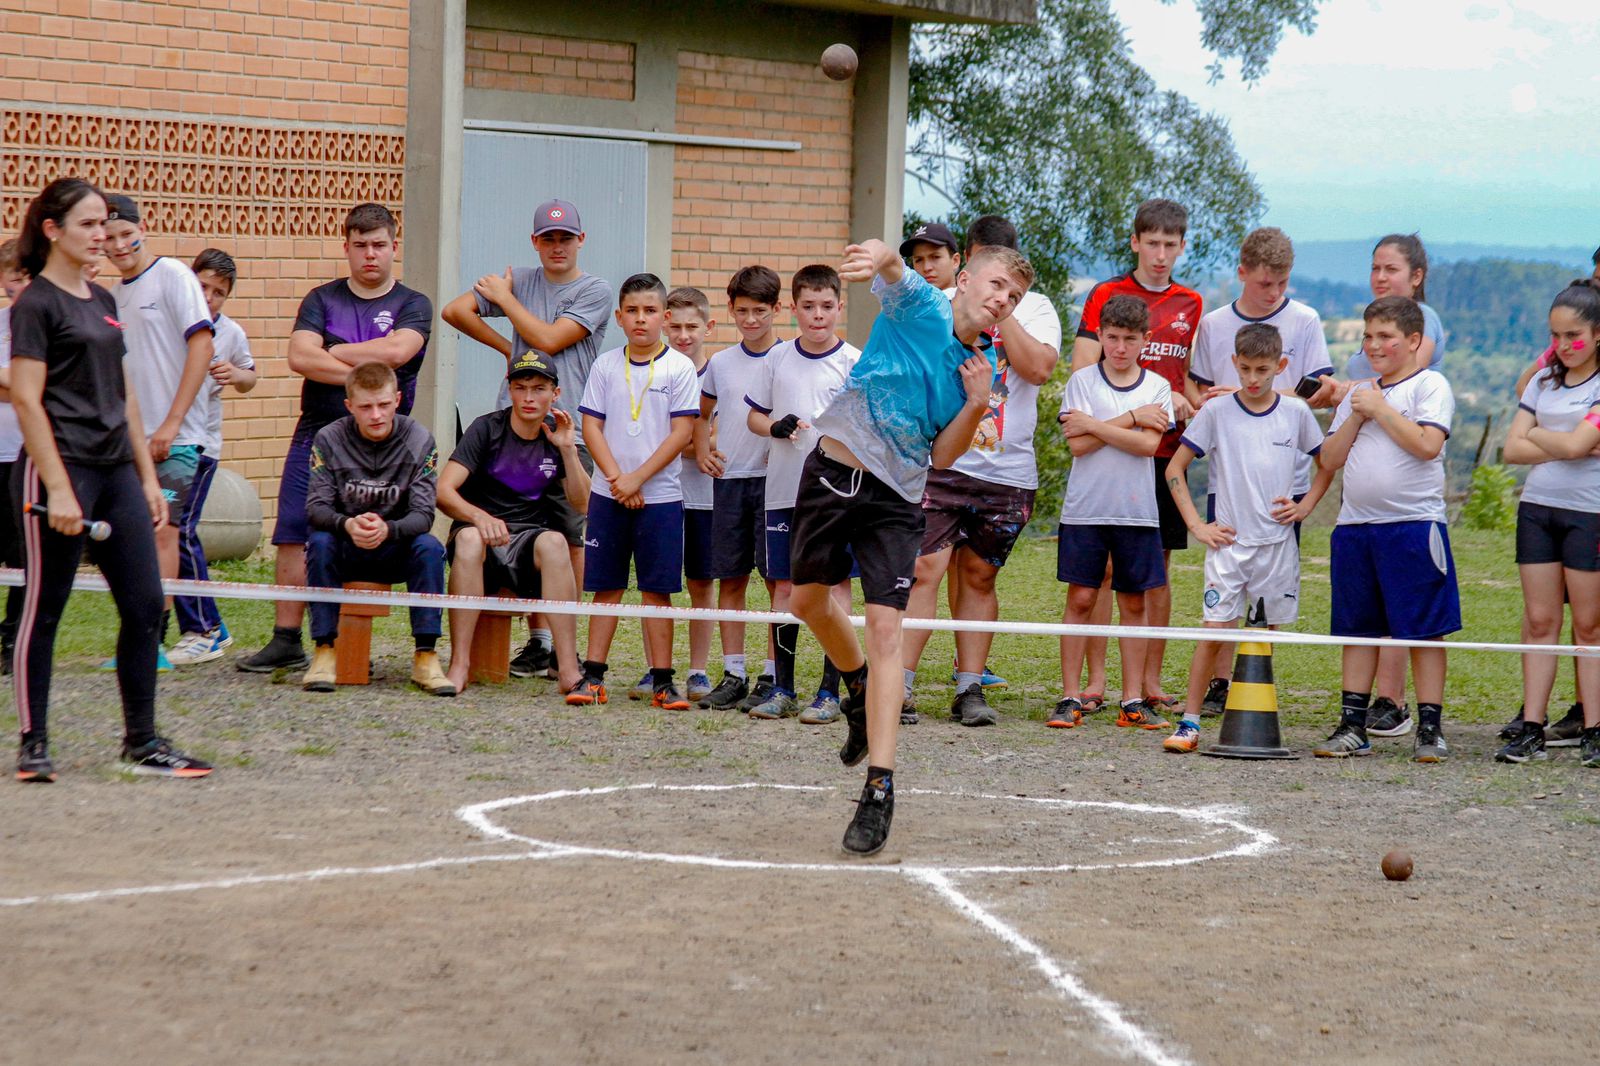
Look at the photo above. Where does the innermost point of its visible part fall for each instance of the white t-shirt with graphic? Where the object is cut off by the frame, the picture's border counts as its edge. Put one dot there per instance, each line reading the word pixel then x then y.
pixel 160 310
pixel 796 382
pixel 1211 362
pixel 10 428
pixel 660 390
pixel 696 483
pixel 1254 457
pixel 1571 484
pixel 1110 486
pixel 729 376
pixel 1002 449
pixel 230 346
pixel 1382 481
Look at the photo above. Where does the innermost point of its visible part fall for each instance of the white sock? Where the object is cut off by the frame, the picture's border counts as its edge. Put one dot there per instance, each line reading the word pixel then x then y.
pixel 911 679
pixel 769 668
pixel 541 637
pixel 734 664
pixel 964 681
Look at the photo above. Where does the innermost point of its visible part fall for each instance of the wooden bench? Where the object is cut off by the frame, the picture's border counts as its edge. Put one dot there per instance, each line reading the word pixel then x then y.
pixel 354 645
pixel 491 646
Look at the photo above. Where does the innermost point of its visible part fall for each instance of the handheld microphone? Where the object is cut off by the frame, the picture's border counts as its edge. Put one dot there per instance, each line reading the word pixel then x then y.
pixel 96 530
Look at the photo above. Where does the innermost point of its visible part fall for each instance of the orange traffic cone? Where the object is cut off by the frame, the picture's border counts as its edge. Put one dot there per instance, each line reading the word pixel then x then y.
pixel 1250 718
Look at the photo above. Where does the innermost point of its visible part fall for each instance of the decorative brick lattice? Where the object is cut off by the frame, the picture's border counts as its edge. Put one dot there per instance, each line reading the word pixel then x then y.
pixel 203 178
pixel 561 66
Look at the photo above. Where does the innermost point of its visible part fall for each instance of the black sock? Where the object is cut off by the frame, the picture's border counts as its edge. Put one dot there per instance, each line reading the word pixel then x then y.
pixel 1353 709
pixel 661 676
pixel 855 682
pixel 785 635
pixel 830 677
pixel 427 642
pixel 289 634
pixel 879 778
pixel 1430 714
pixel 594 669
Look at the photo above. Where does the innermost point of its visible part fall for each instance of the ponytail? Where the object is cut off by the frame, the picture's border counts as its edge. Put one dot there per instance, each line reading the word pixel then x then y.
pixel 1410 246
pixel 52 204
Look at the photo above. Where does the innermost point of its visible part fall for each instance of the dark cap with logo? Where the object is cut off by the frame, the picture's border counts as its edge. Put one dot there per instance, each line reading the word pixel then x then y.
pixel 932 233
pixel 556 216
pixel 121 208
pixel 531 365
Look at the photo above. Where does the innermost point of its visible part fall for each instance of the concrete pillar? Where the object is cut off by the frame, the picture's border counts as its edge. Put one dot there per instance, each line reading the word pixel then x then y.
pixel 878 178
pixel 431 250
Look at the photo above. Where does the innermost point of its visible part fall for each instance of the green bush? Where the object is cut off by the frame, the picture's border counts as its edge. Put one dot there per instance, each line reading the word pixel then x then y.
pixel 1051 451
pixel 1491 505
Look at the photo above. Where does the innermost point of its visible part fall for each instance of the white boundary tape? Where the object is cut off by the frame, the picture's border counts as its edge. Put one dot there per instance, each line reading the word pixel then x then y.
pixel 243 590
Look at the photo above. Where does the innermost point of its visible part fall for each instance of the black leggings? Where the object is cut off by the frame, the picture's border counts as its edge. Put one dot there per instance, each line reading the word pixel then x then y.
pixel 10 552
pixel 128 560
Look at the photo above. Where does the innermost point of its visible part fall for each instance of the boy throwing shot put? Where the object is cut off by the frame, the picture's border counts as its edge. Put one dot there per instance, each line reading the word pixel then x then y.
pixel 1255 438
pixel 913 399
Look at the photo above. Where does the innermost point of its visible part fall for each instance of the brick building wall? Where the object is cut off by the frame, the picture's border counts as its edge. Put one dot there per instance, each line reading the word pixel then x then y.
pixel 536 63
pixel 736 206
pixel 251 125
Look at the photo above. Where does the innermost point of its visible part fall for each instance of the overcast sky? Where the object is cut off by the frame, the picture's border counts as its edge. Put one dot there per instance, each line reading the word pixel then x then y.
pixel 1470 121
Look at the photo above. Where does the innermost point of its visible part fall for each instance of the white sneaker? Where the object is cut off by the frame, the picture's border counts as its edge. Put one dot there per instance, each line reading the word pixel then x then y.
pixel 199 647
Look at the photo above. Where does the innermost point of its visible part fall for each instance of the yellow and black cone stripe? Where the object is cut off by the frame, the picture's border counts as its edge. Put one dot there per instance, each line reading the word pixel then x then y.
pixel 1250 719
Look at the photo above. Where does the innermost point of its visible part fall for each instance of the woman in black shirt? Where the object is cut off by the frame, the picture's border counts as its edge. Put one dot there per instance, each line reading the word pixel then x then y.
pixel 85 459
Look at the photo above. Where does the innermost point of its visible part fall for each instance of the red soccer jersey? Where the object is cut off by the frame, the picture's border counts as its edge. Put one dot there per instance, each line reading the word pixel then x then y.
pixel 1174 316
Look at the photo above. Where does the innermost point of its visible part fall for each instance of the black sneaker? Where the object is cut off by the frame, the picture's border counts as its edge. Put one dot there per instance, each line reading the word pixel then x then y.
pixel 908 712
pixel 160 759
pixel 1216 700
pixel 730 691
pixel 855 718
pixel 869 829
pixel 283 652
pixel 534 660
pixel 1430 745
pixel 970 708
pixel 33 761
pixel 1529 744
pixel 1513 729
pixel 759 693
pixel 1385 718
pixel 1567 732
pixel 1589 747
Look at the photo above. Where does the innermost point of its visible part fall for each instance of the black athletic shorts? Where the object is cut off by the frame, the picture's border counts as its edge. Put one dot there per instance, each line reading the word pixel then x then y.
pixel 507 566
pixel 571 523
pixel 840 512
pixel 1174 534
pixel 1557 535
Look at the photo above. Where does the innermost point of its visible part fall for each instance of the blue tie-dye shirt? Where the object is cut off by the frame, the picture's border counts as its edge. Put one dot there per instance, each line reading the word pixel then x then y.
pixel 906 386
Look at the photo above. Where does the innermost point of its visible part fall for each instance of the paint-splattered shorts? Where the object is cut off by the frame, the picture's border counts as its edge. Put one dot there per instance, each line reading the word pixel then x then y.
pixel 968 512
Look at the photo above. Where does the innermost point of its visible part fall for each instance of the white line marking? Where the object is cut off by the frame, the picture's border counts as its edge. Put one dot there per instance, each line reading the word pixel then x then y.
pixel 275 879
pixel 1132 1038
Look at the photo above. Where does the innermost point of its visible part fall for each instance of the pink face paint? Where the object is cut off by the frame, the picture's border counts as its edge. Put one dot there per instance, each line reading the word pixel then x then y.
pixel 1577 346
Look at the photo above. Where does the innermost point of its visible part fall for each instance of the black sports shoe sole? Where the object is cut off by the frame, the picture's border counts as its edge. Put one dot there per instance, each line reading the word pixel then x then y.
pixel 36 777
pixel 249 667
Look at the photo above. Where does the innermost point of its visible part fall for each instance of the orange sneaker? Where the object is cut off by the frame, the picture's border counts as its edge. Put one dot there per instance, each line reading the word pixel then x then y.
pixel 588 691
pixel 668 698
pixel 1138 715
pixel 1067 715
pixel 1184 739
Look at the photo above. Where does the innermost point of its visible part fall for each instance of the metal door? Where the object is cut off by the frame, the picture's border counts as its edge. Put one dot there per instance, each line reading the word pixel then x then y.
pixel 504 177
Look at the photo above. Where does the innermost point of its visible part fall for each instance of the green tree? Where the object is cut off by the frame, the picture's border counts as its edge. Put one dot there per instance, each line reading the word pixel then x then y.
pixel 1055 126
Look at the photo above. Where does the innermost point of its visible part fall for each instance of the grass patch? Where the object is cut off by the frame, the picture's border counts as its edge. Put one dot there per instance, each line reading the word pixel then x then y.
pixel 317 750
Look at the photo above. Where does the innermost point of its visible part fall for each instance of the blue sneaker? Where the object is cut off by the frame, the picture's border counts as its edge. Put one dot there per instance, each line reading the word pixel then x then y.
pixel 988 679
pixel 200 647
pixel 163 664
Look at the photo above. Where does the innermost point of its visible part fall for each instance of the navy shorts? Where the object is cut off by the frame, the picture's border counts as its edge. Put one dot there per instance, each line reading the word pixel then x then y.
pixel 651 538
pixel 780 524
pixel 1134 552
pixel 697 544
pixel 291 526
pixel 1558 535
pixel 738 527
pixel 845 518
pixel 1397 579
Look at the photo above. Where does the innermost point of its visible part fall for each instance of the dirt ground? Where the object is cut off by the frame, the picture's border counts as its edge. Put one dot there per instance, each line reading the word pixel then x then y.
pixel 505 952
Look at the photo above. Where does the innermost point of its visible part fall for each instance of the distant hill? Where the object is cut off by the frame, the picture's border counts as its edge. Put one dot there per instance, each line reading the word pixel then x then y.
pixel 1350 261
